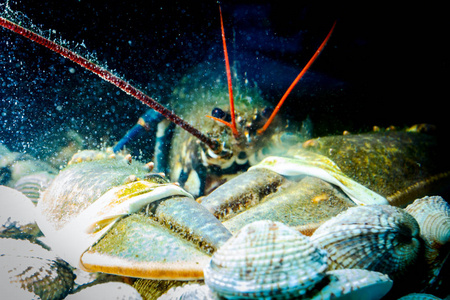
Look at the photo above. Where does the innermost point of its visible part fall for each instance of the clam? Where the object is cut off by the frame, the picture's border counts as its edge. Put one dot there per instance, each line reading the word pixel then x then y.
pixel 28 271
pixel 380 238
pixel 266 259
pixel 269 260
pixel 34 184
pixel 111 215
pixel 433 216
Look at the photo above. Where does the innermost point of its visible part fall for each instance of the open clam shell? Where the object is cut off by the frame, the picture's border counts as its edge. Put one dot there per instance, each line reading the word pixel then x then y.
pixel 266 259
pixel 379 238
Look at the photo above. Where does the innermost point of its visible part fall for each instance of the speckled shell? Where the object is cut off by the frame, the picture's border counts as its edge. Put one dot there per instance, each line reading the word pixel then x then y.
pixel 433 216
pixel 266 259
pixel 379 238
pixel 29 269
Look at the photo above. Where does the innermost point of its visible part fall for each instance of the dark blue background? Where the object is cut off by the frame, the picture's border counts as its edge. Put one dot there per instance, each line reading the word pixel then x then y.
pixel 383 65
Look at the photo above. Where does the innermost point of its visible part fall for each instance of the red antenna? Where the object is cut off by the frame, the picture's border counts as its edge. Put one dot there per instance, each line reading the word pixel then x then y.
pixel 299 76
pixel 109 77
pixel 232 125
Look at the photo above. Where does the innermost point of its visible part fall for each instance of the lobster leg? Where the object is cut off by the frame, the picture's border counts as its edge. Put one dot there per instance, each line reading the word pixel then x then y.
pixel 159 129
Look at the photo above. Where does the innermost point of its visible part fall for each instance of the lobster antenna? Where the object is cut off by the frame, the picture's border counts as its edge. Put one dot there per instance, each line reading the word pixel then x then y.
pixel 230 89
pixel 109 77
pixel 299 76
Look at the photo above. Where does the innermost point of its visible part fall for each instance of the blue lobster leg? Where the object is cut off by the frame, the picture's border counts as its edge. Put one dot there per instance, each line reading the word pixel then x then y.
pixel 157 126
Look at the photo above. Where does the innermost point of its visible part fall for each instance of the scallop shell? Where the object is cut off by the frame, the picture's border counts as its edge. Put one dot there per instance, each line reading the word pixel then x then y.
pixel 29 269
pixel 433 216
pixel 266 259
pixel 379 238
pixel 34 184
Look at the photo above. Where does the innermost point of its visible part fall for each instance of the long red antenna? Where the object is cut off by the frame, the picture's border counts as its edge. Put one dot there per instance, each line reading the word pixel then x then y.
pixel 230 89
pixel 111 78
pixel 299 76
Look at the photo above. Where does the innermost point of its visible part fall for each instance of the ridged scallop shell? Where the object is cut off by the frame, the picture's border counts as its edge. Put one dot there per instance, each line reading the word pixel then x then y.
pixel 34 184
pixel 29 269
pixel 433 216
pixel 379 238
pixel 266 259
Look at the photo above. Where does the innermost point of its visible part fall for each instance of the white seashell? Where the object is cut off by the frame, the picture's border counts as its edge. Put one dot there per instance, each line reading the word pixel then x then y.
pixel 433 216
pixel 27 270
pixel 355 284
pixel 266 259
pixel 380 238
pixel 107 291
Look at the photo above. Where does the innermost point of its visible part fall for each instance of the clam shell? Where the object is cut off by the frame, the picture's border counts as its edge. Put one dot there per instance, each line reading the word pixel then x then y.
pixel 379 238
pixel 27 268
pixel 266 259
pixel 34 184
pixel 433 216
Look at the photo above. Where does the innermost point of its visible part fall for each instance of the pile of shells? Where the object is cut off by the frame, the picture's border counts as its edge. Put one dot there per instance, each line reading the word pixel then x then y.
pixel 267 259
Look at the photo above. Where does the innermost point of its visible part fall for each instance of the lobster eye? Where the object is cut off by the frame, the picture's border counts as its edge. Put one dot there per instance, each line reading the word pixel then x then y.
pixel 267 111
pixel 218 113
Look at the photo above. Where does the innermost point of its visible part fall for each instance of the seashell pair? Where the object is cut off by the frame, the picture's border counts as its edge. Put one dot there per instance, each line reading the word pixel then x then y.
pixel 433 216
pixel 380 238
pixel 267 259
